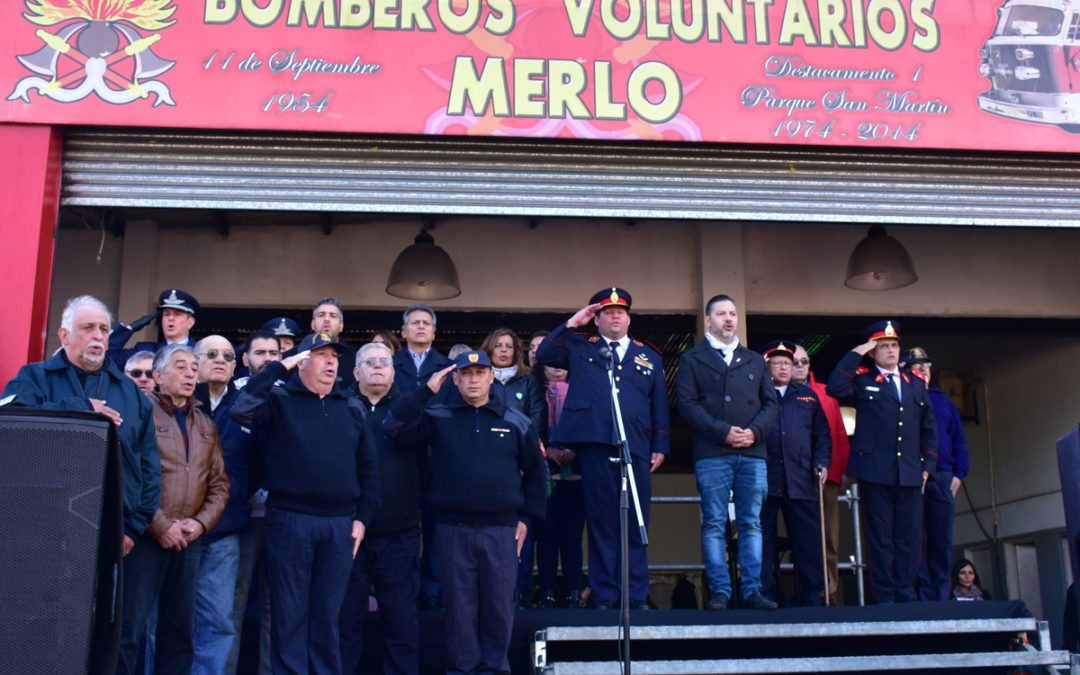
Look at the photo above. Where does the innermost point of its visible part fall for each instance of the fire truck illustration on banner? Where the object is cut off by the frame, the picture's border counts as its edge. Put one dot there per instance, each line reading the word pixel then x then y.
pixel 1033 63
pixel 100 47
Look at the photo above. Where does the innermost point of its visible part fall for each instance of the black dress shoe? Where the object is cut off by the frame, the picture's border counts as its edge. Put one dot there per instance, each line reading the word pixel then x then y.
pixel 717 602
pixel 430 602
pixel 604 604
pixel 547 600
pixel 758 601
pixel 573 600
pixel 520 602
pixel 639 604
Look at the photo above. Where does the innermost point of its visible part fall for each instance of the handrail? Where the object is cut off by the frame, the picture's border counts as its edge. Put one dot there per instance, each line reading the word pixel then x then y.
pixel 856 565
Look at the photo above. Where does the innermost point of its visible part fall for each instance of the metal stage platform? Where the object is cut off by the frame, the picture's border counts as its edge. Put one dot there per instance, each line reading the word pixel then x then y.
pixel 925 637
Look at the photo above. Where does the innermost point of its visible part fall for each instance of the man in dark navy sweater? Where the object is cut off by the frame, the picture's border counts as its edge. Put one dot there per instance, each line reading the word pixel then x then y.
pixel 322 474
pixel 489 486
pixel 389 556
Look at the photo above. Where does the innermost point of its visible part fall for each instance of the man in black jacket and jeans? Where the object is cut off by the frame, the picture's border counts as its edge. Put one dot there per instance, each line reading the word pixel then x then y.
pixel 389 556
pixel 727 398
pixel 323 478
pixel 489 486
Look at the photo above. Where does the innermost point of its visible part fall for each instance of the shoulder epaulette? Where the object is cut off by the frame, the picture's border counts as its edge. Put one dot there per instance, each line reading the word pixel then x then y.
pixel 862 370
pixel 646 343
pixel 595 338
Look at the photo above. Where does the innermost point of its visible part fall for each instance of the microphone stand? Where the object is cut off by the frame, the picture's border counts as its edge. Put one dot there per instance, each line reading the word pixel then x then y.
pixel 627 492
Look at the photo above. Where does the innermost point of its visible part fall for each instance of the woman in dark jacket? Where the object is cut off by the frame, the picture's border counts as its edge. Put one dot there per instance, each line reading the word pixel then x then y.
pixel 517 388
pixel 514 384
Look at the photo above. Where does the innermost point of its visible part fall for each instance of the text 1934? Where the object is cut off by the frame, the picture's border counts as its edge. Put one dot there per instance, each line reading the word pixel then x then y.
pixel 297 103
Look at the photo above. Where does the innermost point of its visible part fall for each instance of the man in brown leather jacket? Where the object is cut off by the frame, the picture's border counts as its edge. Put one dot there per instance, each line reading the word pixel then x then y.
pixel 164 563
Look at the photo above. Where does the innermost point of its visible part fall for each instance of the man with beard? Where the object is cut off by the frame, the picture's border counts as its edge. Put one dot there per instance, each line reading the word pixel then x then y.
pixel 727 398
pixel 79 377
pixel 264 347
pixel 322 475
pixel 328 317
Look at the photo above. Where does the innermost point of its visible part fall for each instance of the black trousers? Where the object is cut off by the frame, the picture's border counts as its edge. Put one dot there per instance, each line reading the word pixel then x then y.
pixel 803 520
pixel 392 564
pixel 892 519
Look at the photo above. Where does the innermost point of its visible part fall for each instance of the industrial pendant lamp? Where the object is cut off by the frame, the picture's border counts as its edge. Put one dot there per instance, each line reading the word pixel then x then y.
pixel 423 271
pixel 879 263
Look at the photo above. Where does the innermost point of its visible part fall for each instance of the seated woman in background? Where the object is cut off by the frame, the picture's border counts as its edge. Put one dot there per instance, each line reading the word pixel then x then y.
pixel 965 582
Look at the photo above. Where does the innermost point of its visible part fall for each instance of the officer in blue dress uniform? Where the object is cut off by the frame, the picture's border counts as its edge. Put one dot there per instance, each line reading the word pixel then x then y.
pixel 939 502
pixel 588 428
pixel 176 313
pixel 893 453
pixel 799 447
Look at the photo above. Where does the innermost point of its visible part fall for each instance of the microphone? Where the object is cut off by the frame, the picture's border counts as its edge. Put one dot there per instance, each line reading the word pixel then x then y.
pixel 605 355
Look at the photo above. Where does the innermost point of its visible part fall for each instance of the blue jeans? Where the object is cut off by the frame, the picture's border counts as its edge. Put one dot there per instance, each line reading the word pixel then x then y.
pixel 214 592
pixel 717 477
pixel 252 558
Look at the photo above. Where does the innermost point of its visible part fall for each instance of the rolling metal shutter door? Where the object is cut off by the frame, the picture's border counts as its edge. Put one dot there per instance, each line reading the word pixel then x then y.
pixel 512 176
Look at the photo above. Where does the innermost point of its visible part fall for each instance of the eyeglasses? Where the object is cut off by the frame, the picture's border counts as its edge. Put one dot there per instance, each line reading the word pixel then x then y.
pixel 371 363
pixel 214 353
pixel 779 363
pixel 802 362
pixel 135 373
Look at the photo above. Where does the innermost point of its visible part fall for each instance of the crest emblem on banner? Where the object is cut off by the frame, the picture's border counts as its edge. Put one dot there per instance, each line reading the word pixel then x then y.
pixel 100 47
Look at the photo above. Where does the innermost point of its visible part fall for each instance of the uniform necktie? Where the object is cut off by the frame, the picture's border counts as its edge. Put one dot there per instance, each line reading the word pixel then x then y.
pixel 614 344
pixel 894 384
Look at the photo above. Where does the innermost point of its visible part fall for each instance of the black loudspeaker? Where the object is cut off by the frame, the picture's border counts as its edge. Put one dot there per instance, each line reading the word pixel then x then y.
pixel 1068 449
pixel 61 539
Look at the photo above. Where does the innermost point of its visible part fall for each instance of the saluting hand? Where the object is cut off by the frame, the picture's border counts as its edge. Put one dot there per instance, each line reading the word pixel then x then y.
pixel 865 348
pixel 295 360
pixel 583 316
pixel 435 382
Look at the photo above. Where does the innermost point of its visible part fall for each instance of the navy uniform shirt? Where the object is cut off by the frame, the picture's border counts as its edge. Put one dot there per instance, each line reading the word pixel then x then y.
pixel 895 439
pixel 587 416
pixel 799 442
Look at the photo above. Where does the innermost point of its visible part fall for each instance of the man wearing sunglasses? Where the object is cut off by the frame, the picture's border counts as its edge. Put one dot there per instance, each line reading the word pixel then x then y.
pixel 835 482
pixel 216 585
pixel 140 368
pixel 390 553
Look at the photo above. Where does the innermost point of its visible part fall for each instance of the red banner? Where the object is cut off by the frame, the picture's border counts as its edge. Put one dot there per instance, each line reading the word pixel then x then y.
pixel 978 74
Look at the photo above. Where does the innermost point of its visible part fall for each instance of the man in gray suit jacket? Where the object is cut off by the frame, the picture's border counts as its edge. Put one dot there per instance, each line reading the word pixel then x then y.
pixel 726 395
